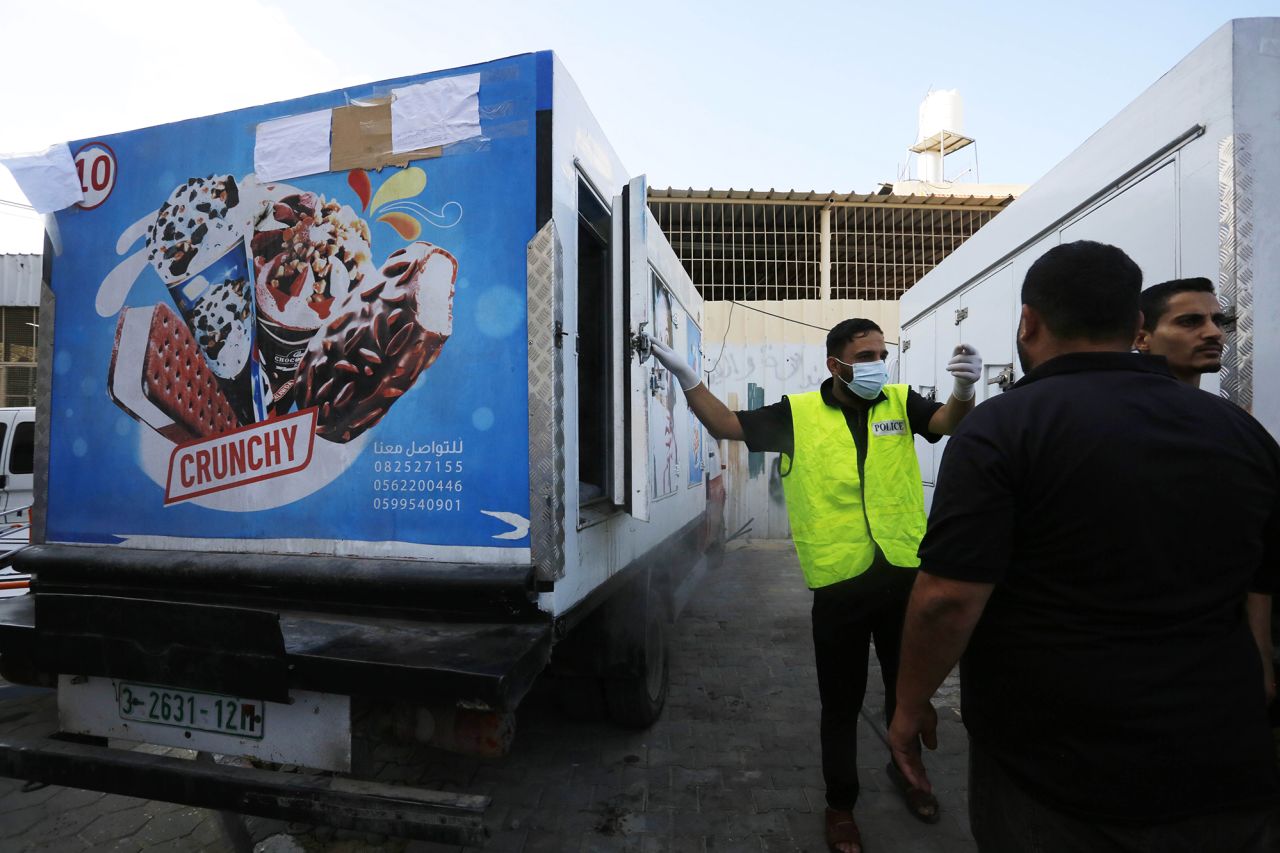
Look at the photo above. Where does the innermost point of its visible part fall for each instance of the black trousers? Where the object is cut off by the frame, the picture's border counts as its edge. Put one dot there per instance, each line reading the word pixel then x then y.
pixel 846 616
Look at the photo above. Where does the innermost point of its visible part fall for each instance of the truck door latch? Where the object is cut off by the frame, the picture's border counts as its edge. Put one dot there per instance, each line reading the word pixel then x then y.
pixel 1004 378
pixel 640 342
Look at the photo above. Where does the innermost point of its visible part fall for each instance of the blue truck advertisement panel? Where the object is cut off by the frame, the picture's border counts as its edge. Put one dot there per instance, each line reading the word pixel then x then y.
pixel 337 357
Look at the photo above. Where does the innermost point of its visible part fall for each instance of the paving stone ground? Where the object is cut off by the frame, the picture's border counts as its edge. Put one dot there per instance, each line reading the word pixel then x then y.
pixel 732 765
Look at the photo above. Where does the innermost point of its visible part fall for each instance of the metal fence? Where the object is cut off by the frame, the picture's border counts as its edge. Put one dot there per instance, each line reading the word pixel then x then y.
pixel 765 246
pixel 877 252
pixel 746 251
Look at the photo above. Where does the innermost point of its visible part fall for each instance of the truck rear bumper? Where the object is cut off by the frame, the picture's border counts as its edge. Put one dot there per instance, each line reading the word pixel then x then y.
pixel 484 664
pixel 328 800
pixel 259 625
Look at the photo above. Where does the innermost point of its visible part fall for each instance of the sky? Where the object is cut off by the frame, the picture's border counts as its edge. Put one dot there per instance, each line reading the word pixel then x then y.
pixel 801 95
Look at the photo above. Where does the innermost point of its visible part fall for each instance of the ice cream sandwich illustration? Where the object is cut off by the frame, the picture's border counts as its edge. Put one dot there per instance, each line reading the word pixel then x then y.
pixel 379 340
pixel 159 376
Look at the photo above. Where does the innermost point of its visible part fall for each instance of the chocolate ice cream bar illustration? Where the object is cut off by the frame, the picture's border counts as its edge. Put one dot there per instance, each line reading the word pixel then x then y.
pixel 307 253
pixel 159 376
pixel 218 307
pixel 379 340
pixel 197 223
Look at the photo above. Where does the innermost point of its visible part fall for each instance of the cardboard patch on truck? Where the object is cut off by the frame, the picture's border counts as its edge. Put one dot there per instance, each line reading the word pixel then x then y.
pixel 361 138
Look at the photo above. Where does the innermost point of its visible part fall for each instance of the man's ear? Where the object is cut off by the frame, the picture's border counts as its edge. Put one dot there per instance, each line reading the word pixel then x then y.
pixel 1140 337
pixel 1029 325
pixel 833 366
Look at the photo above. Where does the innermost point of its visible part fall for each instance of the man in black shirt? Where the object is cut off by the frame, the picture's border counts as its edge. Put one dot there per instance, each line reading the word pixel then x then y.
pixel 1183 322
pixel 856 507
pixel 1093 537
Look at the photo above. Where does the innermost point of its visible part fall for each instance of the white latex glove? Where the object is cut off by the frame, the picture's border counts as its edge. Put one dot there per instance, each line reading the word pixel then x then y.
pixel 966 367
pixel 679 368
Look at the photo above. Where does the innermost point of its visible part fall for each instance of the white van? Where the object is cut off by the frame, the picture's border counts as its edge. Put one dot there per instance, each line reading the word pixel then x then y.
pixel 17 449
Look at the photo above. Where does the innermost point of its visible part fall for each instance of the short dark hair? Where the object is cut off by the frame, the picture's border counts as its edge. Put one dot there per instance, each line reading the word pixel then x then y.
pixel 846 330
pixel 1155 299
pixel 1085 291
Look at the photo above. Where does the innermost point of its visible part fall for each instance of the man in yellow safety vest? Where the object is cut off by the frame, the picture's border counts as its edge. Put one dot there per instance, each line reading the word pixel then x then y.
pixel 856 506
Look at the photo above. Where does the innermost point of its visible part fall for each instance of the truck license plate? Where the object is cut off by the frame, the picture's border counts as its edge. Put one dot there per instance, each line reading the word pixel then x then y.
pixel 311 730
pixel 188 709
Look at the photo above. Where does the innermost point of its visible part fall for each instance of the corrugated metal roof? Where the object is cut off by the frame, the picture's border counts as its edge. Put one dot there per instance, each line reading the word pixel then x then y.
pixel 803 197
pixel 20 280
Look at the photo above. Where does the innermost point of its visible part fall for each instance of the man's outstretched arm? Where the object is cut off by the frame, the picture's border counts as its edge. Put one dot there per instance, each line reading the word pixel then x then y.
pixel 940 618
pixel 718 418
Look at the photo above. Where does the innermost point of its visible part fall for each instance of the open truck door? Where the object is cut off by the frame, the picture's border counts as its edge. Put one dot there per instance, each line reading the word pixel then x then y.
pixel 632 282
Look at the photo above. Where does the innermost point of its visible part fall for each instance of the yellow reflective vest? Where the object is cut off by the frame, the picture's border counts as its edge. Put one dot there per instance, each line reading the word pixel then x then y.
pixel 836 519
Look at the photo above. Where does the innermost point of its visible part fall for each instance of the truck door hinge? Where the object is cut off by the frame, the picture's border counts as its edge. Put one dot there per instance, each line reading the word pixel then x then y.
pixel 906 345
pixel 961 313
pixel 560 335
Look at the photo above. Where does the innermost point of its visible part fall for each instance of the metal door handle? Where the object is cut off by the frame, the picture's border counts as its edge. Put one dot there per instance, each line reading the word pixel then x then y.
pixel 1004 378
pixel 640 342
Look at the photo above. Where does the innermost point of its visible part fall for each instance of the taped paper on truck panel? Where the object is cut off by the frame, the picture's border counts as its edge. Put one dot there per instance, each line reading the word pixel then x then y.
pixel 292 146
pixel 361 138
pixel 47 178
pixel 437 112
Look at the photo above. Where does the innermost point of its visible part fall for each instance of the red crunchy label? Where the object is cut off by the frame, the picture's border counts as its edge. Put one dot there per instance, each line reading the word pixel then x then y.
pixel 250 454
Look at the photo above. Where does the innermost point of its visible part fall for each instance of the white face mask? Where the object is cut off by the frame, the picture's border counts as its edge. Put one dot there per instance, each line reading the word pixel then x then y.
pixel 869 378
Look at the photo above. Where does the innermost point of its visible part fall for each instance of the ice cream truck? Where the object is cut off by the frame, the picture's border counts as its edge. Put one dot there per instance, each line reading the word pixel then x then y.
pixel 346 415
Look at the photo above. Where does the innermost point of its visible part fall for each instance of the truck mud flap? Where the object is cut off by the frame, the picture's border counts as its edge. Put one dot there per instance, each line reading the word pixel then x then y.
pixel 392 810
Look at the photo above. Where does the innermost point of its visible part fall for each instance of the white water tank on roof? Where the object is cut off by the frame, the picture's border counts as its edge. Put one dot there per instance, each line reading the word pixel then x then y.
pixel 941 116
pixel 941 109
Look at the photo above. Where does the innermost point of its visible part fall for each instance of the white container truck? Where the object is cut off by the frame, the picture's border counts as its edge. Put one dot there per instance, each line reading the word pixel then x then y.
pixel 1185 179
pixel 346 416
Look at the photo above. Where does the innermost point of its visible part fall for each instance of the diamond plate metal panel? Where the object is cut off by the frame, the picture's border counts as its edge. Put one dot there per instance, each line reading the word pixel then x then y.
pixel 546 405
pixel 1235 264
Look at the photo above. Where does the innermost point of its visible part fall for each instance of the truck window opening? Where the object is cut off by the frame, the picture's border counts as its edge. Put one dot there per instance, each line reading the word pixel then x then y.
pixel 593 347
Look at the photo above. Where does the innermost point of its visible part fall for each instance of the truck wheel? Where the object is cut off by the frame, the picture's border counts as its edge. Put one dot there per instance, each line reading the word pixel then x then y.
pixel 636 702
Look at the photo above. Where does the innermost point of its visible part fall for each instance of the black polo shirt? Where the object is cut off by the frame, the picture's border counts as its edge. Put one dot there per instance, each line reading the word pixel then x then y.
pixel 769 428
pixel 1122 517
